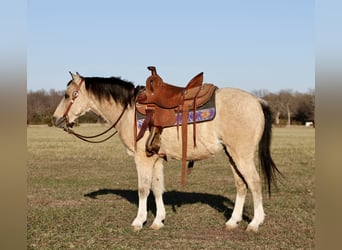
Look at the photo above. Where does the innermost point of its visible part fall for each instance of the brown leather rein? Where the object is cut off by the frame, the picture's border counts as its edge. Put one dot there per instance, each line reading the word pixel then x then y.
pixel 83 137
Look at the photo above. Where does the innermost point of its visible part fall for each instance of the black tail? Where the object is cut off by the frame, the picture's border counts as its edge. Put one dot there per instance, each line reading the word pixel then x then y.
pixel 267 164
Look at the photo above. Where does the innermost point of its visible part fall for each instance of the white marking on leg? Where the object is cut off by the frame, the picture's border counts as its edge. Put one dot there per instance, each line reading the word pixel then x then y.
pixel 259 215
pixel 142 211
pixel 241 191
pixel 237 212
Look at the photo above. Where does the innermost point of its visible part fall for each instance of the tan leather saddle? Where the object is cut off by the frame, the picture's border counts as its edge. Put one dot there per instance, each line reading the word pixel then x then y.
pixel 161 103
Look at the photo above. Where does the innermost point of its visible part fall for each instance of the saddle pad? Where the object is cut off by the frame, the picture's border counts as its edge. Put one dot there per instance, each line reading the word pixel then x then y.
pixel 206 112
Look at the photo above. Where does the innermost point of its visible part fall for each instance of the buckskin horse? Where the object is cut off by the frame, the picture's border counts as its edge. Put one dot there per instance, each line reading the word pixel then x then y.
pixel 241 127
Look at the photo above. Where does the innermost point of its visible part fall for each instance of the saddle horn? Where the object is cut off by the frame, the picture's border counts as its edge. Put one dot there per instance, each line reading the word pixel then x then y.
pixel 153 70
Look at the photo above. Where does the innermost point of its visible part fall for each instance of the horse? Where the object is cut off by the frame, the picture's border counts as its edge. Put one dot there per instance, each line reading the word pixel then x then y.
pixel 242 127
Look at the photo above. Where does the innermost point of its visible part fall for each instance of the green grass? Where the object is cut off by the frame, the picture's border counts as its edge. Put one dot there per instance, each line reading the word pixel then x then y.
pixel 84 196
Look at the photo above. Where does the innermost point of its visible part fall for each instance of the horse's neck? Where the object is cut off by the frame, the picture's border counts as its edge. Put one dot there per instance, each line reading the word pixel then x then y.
pixel 111 112
pixel 108 110
pixel 125 128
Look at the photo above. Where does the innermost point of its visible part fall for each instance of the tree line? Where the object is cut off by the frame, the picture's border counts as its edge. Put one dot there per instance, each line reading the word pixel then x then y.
pixel 288 107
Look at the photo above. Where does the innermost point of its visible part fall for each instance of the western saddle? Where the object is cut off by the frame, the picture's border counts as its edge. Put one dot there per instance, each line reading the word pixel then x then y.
pixel 163 103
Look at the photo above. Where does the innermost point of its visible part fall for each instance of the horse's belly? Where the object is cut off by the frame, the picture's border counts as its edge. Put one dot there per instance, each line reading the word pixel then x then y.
pixel 207 143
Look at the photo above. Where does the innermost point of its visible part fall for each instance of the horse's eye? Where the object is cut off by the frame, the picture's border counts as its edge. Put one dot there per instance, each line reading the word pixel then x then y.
pixel 66 96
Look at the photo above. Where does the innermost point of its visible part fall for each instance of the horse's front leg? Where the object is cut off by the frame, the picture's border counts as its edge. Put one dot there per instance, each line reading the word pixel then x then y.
pixel 144 167
pixel 158 190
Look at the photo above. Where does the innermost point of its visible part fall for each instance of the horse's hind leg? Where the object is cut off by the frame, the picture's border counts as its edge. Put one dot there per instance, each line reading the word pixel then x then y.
pixel 254 183
pixel 158 189
pixel 241 191
pixel 244 167
pixel 144 167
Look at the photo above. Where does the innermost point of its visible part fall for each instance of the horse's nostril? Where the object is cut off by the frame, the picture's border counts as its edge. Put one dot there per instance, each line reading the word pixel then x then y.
pixel 58 122
pixel 53 120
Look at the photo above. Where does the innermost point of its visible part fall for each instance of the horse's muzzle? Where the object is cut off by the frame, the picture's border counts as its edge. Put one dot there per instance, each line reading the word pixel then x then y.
pixel 61 122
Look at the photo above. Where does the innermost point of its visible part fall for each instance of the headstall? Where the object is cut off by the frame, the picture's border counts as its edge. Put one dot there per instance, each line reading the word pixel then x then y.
pixel 68 126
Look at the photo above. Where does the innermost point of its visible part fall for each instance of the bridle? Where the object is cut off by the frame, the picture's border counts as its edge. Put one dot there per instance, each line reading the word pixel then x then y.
pixel 74 95
pixel 68 126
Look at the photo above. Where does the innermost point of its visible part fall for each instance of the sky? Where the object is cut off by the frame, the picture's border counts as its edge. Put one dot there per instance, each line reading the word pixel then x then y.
pixel 251 45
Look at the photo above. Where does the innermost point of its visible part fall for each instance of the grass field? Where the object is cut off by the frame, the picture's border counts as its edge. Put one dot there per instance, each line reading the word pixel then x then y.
pixel 84 196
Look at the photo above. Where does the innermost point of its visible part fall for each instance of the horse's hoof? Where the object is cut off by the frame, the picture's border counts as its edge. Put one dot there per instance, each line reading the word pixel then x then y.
pixel 230 227
pixel 155 226
pixel 251 229
pixel 136 228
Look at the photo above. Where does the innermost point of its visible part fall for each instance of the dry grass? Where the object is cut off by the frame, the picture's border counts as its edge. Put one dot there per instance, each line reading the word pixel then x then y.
pixel 84 196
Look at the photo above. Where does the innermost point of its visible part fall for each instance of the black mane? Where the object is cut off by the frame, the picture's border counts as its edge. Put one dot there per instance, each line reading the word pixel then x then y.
pixel 121 91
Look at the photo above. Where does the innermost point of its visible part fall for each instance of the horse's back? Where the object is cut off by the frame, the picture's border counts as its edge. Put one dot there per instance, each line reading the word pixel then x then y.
pixel 236 98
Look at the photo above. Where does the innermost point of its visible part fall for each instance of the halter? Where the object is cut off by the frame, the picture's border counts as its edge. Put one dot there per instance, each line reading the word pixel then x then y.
pixel 83 137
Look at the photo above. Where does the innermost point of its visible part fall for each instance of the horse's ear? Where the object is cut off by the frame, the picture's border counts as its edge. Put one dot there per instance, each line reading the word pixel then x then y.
pixel 73 76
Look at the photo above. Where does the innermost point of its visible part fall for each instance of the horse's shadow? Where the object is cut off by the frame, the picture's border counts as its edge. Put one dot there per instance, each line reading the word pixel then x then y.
pixel 175 199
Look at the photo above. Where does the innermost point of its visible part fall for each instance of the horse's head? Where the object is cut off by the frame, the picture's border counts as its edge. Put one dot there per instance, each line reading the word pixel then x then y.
pixel 73 105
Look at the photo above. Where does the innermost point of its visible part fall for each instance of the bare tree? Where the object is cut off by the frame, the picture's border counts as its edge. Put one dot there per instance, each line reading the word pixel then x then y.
pixel 305 107
pixel 286 103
